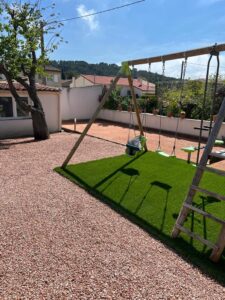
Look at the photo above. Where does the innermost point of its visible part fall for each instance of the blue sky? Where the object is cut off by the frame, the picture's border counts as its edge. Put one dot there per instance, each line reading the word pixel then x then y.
pixel 153 27
pixel 150 28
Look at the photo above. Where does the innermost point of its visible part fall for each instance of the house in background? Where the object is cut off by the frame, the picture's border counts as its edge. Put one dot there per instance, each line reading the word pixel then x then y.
pixel 16 123
pixel 52 77
pixel 141 86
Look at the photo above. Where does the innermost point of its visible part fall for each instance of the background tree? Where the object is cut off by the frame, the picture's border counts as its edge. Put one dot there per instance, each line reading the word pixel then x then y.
pixel 188 99
pixel 23 54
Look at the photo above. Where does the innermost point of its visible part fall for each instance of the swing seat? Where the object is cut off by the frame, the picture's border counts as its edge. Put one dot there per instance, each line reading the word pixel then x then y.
pixel 219 142
pixel 135 145
pixel 189 149
pixel 216 156
pixel 132 147
pixel 162 153
pixel 131 151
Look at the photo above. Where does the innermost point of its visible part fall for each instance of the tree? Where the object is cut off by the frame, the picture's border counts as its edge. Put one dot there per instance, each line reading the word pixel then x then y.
pixel 188 99
pixel 23 55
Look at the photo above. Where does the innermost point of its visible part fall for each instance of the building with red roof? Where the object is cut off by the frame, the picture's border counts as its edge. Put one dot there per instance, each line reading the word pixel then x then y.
pixel 141 86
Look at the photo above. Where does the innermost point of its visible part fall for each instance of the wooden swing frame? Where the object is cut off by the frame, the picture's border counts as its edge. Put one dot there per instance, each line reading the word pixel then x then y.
pixel 162 58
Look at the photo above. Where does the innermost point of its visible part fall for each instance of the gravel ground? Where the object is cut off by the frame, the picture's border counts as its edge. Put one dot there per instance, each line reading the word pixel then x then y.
pixel 58 242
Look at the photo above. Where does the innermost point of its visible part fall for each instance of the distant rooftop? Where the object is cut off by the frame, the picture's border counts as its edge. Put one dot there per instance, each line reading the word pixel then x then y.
pixel 66 83
pixel 40 87
pixel 106 80
pixel 51 68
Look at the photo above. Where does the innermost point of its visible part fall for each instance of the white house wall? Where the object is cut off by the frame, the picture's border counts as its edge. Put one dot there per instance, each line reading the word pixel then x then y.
pixel 79 103
pixel 125 90
pixel 51 106
pixel 22 126
pixel 80 82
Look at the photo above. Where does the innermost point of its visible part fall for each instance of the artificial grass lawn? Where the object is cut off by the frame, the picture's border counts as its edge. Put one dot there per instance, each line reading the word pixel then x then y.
pixel 150 189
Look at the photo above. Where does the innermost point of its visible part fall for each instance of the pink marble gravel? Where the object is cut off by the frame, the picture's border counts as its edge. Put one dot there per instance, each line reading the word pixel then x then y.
pixel 58 242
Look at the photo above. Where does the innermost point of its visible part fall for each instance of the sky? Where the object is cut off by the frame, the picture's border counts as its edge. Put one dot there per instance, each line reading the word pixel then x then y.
pixel 150 28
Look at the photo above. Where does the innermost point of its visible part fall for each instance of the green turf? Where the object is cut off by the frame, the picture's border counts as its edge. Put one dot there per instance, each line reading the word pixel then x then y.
pixel 149 189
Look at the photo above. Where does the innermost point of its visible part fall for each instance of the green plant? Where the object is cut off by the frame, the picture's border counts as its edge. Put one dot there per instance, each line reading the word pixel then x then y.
pixel 114 100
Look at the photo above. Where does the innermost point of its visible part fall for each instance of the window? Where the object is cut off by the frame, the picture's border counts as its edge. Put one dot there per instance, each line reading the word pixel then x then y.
pixel 56 78
pixel 6 107
pixel 20 112
pixel 50 77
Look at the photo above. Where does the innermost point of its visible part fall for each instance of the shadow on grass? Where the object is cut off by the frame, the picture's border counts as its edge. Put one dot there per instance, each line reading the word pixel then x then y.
pixel 121 169
pixel 179 245
pixel 133 174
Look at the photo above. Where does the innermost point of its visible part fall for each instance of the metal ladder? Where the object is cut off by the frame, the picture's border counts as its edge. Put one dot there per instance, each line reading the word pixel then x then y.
pixel 218 247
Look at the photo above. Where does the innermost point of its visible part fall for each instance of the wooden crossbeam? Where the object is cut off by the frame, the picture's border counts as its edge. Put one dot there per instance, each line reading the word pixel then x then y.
pixel 177 55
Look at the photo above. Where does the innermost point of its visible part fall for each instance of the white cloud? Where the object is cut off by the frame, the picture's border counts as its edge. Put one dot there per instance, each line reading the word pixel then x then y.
pixel 91 21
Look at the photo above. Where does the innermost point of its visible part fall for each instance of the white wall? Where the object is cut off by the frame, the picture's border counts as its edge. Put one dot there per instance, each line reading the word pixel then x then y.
pixel 80 82
pixel 22 126
pixel 79 103
pixel 124 91
pixel 186 126
pixel 51 106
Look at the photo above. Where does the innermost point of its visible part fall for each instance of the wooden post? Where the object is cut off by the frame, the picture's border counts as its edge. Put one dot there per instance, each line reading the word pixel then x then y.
pixel 91 121
pixel 136 108
pixel 216 253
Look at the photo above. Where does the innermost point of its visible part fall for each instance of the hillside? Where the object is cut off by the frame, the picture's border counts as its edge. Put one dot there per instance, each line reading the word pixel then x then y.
pixel 74 68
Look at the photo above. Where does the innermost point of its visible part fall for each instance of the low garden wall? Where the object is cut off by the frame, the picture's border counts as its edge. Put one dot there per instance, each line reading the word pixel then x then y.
pixel 186 126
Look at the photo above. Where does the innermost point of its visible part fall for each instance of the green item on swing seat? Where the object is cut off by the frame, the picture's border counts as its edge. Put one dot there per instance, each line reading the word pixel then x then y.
pixel 143 141
pixel 219 142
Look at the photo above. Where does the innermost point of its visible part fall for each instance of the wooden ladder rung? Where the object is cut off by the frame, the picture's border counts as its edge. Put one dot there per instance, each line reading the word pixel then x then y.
pixel 197 237
pixel 212 194
pixel 203 129
pixel 204 213
pixel 212 170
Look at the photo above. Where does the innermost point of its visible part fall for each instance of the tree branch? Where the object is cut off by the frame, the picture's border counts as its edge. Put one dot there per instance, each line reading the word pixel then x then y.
pixel 13 90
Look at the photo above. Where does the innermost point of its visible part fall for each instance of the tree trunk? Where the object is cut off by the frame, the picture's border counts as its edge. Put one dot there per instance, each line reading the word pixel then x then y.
pixel 40 127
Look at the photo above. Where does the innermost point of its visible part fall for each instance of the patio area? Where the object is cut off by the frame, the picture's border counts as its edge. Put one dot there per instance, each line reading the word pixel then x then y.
pixel 119 133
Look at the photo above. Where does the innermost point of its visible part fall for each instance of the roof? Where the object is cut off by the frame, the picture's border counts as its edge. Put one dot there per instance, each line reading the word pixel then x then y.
pixel 40 87
pixel 106 80
pixel 51 68
pixel 66 83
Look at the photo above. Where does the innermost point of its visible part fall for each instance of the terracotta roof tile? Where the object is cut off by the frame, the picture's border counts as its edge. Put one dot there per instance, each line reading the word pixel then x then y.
pixel 40 87
pixel 106 80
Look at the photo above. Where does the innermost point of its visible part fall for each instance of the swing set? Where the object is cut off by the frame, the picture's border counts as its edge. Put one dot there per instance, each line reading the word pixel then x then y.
pixel 139 141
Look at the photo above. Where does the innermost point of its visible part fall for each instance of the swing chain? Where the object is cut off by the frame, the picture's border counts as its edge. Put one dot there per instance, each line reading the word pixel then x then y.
pixel 163 68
